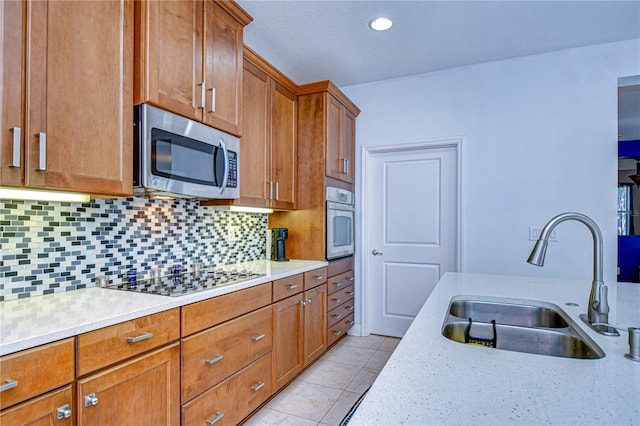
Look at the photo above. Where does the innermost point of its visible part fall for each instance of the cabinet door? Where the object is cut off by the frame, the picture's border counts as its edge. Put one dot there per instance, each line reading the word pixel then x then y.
pixel 283 146
pixel 347 146
pixel 222 68
pixel 287 340
pixel 80 124
pixel 169 56
pixel 145 391
pixel 12 91
pixel 335 163
pixel 315 323
pixel 254 148
pixel 54 408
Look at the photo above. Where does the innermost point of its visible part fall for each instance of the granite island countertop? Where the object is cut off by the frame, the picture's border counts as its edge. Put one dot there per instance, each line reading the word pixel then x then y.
pixel 430 379
pixel 26 323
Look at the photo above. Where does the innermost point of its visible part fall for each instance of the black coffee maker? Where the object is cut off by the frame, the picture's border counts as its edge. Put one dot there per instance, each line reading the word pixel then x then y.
pixel 278 238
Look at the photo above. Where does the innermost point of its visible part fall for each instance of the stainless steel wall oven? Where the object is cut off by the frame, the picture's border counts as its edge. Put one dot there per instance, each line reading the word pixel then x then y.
pixel 340 223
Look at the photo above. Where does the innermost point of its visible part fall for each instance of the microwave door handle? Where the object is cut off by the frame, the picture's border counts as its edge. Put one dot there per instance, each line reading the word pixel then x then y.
pixel 226 166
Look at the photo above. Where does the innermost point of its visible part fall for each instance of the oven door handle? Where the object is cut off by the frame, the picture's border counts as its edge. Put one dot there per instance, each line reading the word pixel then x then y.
pixel 226 166
pixel 344 208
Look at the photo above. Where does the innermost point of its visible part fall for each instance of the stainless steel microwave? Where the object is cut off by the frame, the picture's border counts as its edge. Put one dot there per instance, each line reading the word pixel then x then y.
pixel 178 157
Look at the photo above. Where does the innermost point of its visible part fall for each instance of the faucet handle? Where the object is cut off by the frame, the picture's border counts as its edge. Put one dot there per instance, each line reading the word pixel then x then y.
pixel 603 303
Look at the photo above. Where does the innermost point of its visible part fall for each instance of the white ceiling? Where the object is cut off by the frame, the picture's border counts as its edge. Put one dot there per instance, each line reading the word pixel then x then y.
pixel 312 40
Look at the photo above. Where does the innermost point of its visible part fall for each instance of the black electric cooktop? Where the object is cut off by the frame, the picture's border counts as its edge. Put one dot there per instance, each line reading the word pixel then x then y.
pixel 186 283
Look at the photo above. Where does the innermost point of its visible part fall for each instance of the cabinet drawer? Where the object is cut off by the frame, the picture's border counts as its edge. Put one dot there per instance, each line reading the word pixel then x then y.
pixel 35 371
pixel 53 408
pixel 315 278
pixel 213 355
pixel 109 345
pixel 201 315
pixel 339 266
pixel 340 281
pixel 233 399
pixel 340 312
pixel 339 297
pixel 339 329
pixel 286 287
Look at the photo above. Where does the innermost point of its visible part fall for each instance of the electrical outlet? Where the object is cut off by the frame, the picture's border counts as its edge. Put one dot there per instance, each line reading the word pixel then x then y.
pixel 534 233
pixel 233 233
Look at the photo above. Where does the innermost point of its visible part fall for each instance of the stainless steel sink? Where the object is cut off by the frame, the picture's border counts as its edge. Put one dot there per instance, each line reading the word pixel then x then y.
pixel 527 326
pixel 509 314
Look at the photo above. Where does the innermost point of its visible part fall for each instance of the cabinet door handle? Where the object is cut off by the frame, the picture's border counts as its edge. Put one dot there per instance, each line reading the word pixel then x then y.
pixel 308 301
pixel 270 190
pixel 277 191
pixel 257 386
pixel 338 284
pixel 348 166
pixel 292 286
pixel 337 300
pixel 42 161
pixel 90 400
pixel 17 142
pixel 143 336
pixel 218 416
pixel 213 360
pixel 9 384
pixel 63 412
pixel 213 100
pixel 203 91
pixel 258 337
pixel 303 303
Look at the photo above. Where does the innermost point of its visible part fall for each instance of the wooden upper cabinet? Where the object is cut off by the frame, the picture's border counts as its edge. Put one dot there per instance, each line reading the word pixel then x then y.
pixel 340 141
pixel 12 55
pixel 189 59
pixel 75 119
pixel 268 147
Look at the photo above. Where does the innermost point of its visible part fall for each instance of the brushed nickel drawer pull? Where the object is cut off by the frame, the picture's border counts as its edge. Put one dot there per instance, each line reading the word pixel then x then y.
pixel 350 278
pixel 350 322
pixel 143 336
pixel 318 277
pixel 292 286
pixel 213 360
pixel 336 316
pixel 9 384
pixel 90 400
pixel 351 293
pixel 303 303
pixel 257 387
pixel 258 337
pixel 17 143
pixel 63 412
pixel 337 333
pixel 337 300
pixel 338 284
pixel 350 308
pixel 214 420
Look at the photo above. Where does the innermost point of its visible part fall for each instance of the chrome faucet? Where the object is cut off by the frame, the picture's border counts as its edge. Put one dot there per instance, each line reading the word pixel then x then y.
pixel 597 316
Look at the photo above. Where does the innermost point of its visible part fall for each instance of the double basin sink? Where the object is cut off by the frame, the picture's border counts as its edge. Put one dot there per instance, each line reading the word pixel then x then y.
pixel 524 326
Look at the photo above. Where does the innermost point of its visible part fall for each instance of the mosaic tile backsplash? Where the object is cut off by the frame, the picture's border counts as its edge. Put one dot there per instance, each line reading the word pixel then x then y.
pixel 51 247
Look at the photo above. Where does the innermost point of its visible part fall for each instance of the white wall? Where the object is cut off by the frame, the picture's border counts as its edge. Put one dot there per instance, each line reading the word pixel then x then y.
pixel 539 138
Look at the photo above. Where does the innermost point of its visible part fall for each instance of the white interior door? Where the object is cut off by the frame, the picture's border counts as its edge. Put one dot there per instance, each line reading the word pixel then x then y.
pixel 411 203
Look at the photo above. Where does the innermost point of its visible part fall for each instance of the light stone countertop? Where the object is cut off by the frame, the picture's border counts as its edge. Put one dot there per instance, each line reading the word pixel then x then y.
pixel 26 323
pixel 431 380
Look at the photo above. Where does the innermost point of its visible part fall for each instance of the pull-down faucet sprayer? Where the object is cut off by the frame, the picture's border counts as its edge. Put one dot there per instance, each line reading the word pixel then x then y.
pixel 598 310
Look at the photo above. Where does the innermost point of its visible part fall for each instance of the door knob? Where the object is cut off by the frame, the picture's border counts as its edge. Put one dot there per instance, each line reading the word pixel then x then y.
pixel 376 252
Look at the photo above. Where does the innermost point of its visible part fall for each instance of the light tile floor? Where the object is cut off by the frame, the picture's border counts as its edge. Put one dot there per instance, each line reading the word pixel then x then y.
pixel 325 392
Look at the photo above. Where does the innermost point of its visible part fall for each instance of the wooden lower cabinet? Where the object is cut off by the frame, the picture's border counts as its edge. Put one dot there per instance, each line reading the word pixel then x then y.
pixel 144 391
pixel 233 399
pixel 299 325
pixel 54 408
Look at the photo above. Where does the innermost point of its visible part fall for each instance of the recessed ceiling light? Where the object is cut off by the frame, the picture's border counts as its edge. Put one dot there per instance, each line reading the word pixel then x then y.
pixel 381 24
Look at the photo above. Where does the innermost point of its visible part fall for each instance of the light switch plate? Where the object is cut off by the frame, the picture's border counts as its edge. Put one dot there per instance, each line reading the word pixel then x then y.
pixel 233 233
